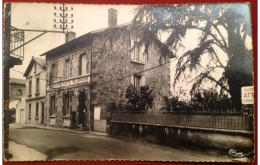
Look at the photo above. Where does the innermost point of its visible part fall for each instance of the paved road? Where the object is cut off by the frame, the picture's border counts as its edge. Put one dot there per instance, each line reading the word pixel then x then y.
pixel 59 145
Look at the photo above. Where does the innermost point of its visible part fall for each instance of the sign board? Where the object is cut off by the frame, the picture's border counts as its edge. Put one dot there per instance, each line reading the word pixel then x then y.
pixel 247 95
pixel 97 113
pixel 66 122
pixel 73 81
pixel 52 121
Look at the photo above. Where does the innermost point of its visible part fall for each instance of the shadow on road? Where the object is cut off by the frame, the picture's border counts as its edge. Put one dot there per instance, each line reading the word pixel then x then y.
pixel 60 151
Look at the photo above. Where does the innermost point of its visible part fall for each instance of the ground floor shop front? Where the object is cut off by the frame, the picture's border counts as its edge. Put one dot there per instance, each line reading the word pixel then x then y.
pixel 68 107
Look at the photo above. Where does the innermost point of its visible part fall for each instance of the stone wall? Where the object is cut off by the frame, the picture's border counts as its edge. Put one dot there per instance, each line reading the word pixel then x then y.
pixel 110 63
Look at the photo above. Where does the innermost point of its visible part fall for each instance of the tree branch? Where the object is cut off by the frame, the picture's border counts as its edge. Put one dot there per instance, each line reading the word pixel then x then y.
pixel 222 37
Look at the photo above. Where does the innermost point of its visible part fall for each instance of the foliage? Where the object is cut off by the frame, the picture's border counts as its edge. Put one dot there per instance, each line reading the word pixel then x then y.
pixel 173 104
pixel 139 99
pixel 223 30
pixel 206 100
pixel 210 99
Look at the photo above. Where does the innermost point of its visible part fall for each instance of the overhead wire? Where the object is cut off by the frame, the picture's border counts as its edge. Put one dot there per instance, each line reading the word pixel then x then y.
pixel 117 79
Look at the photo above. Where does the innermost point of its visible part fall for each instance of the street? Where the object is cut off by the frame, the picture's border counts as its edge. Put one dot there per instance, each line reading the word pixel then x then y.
pixel 60 145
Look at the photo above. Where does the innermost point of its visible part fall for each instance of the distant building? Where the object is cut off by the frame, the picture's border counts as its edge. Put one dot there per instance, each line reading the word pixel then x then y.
pixel 91 59
pixel 17 92
pixel 17 89
pixel 36 90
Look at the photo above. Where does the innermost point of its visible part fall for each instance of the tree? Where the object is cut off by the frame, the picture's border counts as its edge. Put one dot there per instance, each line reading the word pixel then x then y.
pixel 139 100
pixel 223 29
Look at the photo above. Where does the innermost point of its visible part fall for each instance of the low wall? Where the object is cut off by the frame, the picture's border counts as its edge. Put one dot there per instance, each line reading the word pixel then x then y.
pixel 216 138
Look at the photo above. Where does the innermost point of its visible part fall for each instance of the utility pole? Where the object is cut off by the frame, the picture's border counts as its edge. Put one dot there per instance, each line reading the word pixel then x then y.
pixel 6 74
pixel 65 19
pixel 14 56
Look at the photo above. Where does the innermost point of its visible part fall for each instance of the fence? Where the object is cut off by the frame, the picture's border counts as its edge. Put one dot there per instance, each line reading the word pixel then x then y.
pixel 214 120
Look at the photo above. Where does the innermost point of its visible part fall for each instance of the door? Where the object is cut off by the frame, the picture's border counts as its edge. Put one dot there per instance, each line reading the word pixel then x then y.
pixel 22 116
pixel 81 117
pixel 42 114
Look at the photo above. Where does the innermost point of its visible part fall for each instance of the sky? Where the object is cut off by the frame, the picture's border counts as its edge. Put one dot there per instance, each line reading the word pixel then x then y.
pixel 40 16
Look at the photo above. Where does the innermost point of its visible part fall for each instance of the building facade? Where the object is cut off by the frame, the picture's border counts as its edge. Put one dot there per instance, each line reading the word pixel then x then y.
pixel 90 74
pixel 36 91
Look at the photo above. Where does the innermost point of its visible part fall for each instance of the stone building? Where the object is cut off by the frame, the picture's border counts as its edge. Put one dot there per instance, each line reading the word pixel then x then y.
pixel 108 64
pixel 36 91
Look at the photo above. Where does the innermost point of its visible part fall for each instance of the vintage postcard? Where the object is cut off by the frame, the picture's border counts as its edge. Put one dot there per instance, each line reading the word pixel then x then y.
pixel 128 82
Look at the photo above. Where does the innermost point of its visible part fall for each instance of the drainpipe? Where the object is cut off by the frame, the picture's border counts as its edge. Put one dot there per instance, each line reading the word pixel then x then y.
pixel 90 98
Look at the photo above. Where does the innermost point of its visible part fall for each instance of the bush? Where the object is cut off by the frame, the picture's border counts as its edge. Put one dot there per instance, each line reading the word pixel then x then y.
pixel 208 100
pixel 139 100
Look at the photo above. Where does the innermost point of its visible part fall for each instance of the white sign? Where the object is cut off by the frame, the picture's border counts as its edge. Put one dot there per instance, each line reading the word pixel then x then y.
pixel 97 113
pixel 52 121
pixel 66 122
pixel 247 95
pixel 73 81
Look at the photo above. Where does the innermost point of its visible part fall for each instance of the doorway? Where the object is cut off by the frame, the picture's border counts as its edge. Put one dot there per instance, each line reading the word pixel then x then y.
pixel 42 115
pixel 82 106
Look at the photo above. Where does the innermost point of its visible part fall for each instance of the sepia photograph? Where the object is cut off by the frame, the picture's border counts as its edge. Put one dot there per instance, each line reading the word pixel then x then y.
pixel 171 83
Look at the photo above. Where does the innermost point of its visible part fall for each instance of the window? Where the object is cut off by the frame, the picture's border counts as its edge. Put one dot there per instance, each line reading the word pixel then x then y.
pixel 137 81
pixel 84 64
pixel 37 111
pixel 52 105
pixel 30 87
pixel 137 50
pixel 30 111
pixel 19 92
pixel 66 105
pixel 34 67
pixel 37 85
pixel 67 69
pixel 53 73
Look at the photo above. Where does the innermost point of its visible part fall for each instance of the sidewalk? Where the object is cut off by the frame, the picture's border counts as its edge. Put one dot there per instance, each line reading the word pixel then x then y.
pixel 59 129
pixel 21 153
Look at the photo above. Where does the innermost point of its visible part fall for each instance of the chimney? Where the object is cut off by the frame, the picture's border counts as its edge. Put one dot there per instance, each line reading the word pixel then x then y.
pixel 69 36
pixel 112 17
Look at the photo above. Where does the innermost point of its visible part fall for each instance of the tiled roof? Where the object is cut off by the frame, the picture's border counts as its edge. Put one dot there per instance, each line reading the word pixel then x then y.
pixel 84 39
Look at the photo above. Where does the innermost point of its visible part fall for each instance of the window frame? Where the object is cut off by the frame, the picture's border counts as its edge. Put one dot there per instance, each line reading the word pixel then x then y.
pixel 136 50
pixel 37 91
pixel 52 106
pixel 30 111
pixel 30 87
pixel 137 78
pixel 19 93
pixel 36 110
pixel 67 69
pixel 66 104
